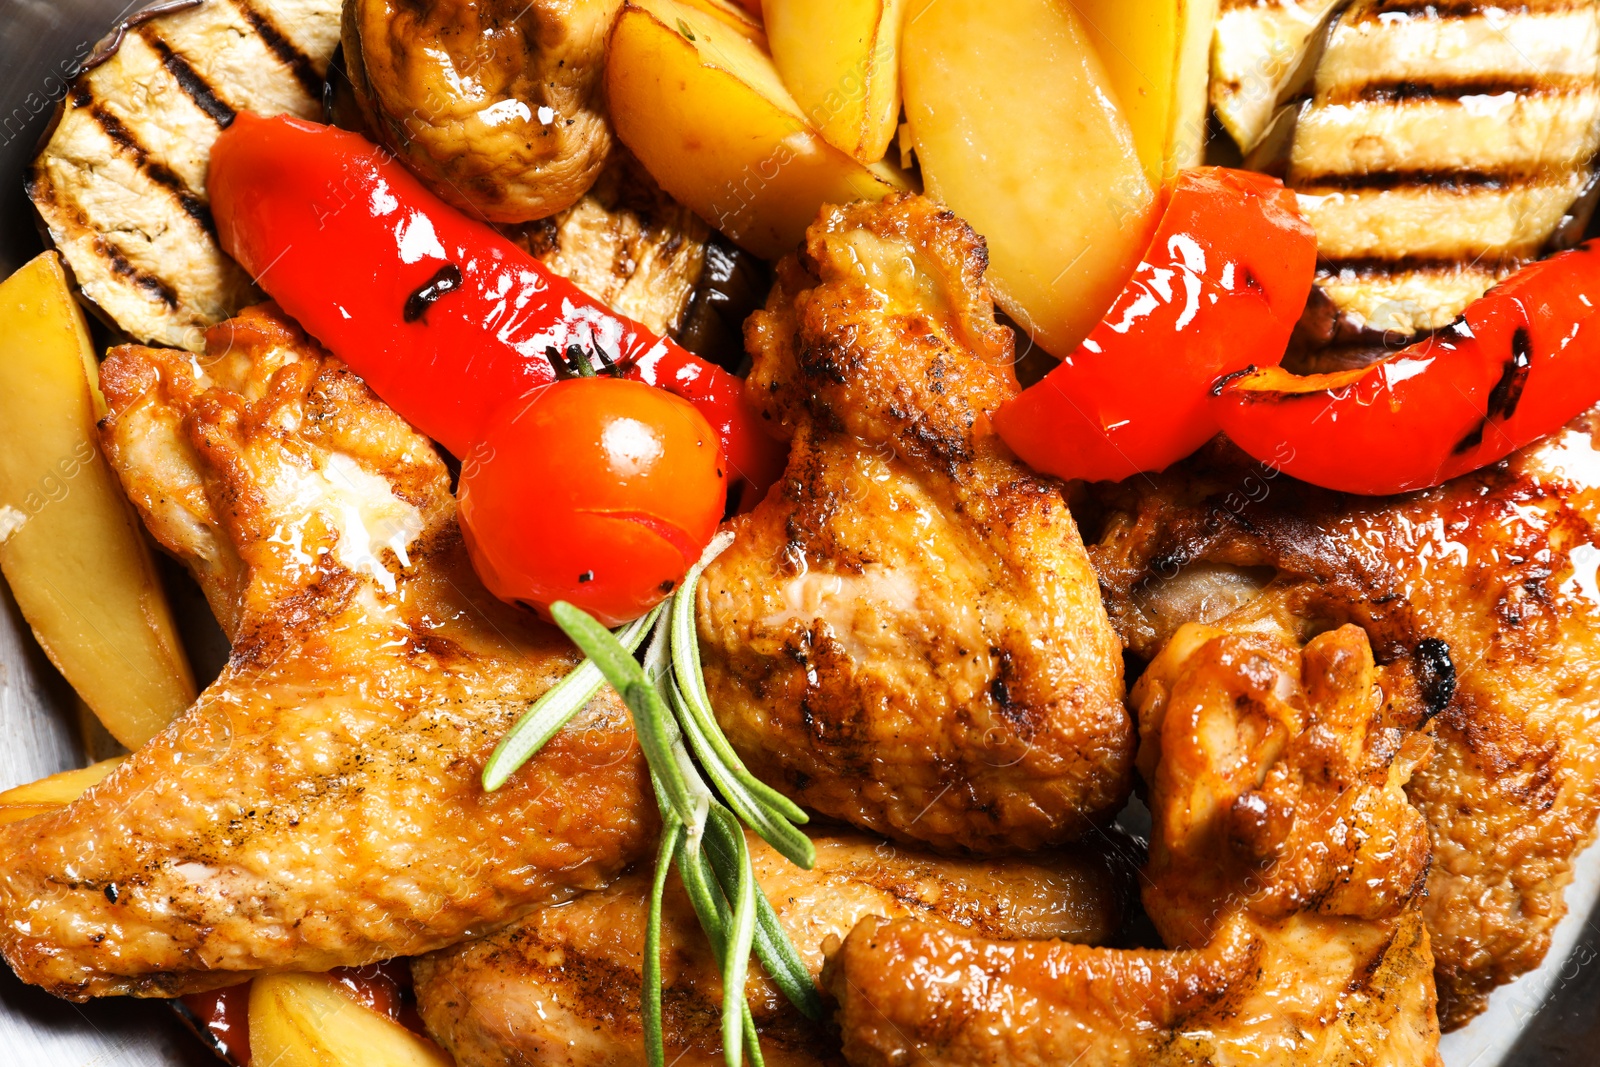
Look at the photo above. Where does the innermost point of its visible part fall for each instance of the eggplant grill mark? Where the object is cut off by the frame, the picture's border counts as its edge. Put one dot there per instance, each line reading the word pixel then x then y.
pixel 157 171
pixel 1392 92
pixel 447 279
pixel 1354 267
pixel 1436 674
pixel 189 80
pixel 146 281
pixel 1437 9
pixel 1507 391
pixel 297 61
pixel 1462 182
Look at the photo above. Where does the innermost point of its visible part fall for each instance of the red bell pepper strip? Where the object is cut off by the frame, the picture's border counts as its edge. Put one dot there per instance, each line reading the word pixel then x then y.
pixel 1220 289
pixel 443 317
pixel 1521 363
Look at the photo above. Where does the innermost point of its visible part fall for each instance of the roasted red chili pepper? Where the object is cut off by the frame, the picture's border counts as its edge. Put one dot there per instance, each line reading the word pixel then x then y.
pixel 444 318
pixel 1220 288
pixel 1520 363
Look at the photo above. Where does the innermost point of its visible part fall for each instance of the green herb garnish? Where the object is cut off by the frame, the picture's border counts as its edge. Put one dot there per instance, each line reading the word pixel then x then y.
pixel 701 832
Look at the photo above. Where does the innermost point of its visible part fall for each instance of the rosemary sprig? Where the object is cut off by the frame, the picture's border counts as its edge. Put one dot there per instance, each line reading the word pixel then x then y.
pixel 701 834
pixel 555 709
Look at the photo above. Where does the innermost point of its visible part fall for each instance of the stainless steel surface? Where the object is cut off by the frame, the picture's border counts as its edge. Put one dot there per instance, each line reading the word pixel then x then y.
pixel 1549 1019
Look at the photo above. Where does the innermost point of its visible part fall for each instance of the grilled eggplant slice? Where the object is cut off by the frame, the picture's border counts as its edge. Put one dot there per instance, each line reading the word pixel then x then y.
pixel 1441 148
pixel 1255 53
pixel 625 243
pixel 1434 147
pixel 120 183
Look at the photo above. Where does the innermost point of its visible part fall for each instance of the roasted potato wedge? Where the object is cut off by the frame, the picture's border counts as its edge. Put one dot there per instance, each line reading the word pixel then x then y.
pixel 1018 130
pixel 703 108
pixel 56 791
pixel 741 18
pixel 305 1020
pixel 841 60
pixel 69 544
pixel 1158 55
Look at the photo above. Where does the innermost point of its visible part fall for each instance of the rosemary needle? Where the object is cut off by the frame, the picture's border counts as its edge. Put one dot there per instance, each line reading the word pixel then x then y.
pixel 702 830
pixel 654 1040
pixel 554 710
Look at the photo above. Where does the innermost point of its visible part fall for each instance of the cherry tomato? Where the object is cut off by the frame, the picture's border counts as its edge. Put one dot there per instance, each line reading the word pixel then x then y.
pixel 598 491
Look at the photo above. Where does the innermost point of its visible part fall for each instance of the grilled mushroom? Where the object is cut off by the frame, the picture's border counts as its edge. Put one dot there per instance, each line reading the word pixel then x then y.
pixel 494 103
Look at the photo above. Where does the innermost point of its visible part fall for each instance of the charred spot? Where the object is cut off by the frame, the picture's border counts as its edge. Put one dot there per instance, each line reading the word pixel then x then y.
pixel 666 586
pixel 194 86
pixel 111 892
pixel 1472 439
pixel 1218 385
pixel 828 360
pixel 586 576
pixel 1436 674
pixel 1507 392
pixel 447 279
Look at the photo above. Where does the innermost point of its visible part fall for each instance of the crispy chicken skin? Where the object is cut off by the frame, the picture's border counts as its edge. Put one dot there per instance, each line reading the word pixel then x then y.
pixel 319 805
pixel 907 634
pixel 496 104
pixel 1286 872
pixel 1499 566
pixel 561 988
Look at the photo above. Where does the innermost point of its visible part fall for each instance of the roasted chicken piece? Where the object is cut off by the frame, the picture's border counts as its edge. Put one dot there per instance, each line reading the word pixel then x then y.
pixel 1487 582
pixel 561 988
pixel 1286 874
pixel 496 104
pixel 906 633
pixel 320 803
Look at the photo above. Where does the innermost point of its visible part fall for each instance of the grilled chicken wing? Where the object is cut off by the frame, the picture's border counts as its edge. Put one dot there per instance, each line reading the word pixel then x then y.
pixel 561 988
pixel 319 805
pixel 1286 871
pixel 1488 581
pixel 906 633
pixel 496 104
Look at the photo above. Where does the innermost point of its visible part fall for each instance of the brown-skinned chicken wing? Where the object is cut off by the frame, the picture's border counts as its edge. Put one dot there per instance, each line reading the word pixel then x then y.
pixel 1486 584
pixel 561 987
pixel 320 804
pixel 1286 874
pixel 906 633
